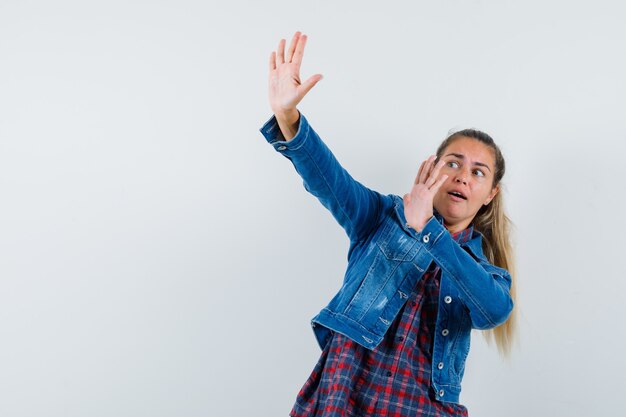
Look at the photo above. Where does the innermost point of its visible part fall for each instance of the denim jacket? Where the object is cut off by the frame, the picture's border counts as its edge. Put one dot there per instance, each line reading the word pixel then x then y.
pixel 383 256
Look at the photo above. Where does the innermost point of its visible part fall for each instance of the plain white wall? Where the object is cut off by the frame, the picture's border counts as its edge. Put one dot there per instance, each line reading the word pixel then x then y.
pixel 158 258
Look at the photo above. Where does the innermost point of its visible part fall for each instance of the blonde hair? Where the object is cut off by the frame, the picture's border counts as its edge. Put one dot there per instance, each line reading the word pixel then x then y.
pixel 495 226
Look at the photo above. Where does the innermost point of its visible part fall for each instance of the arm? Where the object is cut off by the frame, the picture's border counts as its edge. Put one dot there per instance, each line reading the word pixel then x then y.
pixel 354 206
pixel 485 288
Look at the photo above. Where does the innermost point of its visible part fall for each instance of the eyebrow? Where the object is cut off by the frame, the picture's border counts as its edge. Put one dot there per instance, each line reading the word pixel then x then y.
pixel 461 156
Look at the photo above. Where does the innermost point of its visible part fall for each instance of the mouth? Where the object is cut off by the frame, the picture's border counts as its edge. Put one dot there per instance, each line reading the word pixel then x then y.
pixel 457 194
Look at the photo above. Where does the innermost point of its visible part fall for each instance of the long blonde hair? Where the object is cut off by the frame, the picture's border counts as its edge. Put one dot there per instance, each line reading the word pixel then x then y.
pixel 492 222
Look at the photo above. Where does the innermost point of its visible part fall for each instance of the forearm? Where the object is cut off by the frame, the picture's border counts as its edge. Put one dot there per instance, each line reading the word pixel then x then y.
pixel 288 122
pixel 484 287
pixel 354 206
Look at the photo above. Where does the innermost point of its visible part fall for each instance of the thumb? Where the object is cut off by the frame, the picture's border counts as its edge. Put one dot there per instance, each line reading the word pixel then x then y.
pixel 310 83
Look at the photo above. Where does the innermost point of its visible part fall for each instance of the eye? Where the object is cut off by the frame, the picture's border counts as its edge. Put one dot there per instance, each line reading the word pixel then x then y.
pixel 453 164
pixel 479 173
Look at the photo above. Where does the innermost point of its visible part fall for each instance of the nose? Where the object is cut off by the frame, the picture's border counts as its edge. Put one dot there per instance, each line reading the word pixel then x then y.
pixel 462 175
pixel 461 179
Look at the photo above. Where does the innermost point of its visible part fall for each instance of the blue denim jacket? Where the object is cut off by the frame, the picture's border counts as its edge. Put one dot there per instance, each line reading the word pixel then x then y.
pixel 383 256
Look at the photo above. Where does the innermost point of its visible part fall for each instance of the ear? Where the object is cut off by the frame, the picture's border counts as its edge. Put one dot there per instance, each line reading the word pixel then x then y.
pixel 492 194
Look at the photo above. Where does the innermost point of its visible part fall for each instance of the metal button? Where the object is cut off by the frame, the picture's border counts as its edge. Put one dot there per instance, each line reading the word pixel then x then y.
pixel 440 365
pixel 445 332
pixel 282 148
pixel 441 392
pixel 426 238
pixel 408 226
pixel 448 299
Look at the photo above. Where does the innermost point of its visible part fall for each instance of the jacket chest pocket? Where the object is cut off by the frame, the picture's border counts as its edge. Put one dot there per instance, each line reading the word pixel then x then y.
pixel 395 243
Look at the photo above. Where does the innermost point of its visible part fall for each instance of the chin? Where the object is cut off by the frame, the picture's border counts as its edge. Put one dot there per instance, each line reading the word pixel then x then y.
pixel 451 214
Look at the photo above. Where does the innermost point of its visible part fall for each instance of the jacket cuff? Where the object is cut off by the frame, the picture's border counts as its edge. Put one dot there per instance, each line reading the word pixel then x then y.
pixel 432 232
pixel 273 135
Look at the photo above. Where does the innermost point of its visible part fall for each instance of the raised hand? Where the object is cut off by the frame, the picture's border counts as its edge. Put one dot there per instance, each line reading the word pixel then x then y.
pixel 418 204
pixel 285 88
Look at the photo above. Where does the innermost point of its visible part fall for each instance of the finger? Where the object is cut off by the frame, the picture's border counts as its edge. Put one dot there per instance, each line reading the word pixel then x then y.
pixel 310 83
pixel 434 173
pixel 407 199
pixel 431 164
pixel 299 52
pixel 280 56
pixel 419 173
pixel 272 61
pixel 439 183
pixel 426 171
pixel 292 46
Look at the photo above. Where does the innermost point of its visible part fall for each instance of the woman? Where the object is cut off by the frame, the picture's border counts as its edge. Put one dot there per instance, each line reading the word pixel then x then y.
pixel 423 270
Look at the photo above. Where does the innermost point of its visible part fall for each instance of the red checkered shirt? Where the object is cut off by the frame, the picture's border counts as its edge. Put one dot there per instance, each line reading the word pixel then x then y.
pixel 392 380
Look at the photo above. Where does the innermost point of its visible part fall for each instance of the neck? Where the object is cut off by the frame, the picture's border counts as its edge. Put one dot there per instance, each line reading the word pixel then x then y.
pixel 456 227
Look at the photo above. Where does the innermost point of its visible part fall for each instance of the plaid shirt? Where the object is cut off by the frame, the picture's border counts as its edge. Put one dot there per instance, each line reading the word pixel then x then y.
pixel 393 379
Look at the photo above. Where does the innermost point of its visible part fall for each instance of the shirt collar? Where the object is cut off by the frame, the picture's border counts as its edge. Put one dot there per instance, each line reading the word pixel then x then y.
pixel 460 237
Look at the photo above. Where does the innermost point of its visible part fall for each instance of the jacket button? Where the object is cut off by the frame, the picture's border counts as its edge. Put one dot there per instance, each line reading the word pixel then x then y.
pixel 448 299
pixel 445 332
pixel 408 226
pixel 282 148
pixel 441 392
pixel 426 238
pixel 440 365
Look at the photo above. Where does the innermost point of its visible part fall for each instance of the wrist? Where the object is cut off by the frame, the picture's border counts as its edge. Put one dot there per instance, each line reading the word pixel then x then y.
pixel 419 226
pixel 288 122
pixel 288 117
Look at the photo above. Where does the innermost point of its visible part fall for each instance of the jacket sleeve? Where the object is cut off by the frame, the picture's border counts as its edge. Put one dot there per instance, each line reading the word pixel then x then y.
pixel 354 206
pixel 485 288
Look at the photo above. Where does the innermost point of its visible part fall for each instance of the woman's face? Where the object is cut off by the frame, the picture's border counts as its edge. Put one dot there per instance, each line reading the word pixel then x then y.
pixel 470 166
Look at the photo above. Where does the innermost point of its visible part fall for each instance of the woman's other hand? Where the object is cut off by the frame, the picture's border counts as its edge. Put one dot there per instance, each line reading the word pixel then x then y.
pixel 285 88
pixel 418 204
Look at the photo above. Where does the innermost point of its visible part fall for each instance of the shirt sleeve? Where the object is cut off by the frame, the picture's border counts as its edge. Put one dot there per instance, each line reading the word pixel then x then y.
pixel 485 288
pixel 355 207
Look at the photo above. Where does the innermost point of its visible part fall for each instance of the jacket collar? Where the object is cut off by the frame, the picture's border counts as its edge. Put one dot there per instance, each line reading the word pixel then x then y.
pixel 474 244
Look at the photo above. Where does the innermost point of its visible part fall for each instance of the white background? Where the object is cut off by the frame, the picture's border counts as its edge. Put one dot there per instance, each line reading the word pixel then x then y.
pixel 159 258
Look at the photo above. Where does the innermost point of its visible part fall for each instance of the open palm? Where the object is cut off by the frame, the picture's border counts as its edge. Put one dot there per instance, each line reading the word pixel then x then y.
pixel 418 204
pixel 285 88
